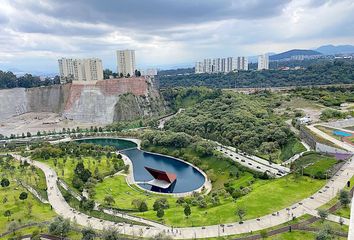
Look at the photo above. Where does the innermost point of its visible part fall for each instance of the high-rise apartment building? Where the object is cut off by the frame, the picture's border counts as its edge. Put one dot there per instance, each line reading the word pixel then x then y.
pixel 199 67
pixel 89 69
pixel 241 63
pixel 221 65
pixel 263 62
pixel 126 62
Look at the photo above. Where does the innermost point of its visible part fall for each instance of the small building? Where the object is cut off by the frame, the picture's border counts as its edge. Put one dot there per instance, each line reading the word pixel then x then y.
pixel 304 120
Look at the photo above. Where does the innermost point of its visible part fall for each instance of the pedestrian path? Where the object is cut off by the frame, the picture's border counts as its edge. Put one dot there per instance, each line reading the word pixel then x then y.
pixel 329 191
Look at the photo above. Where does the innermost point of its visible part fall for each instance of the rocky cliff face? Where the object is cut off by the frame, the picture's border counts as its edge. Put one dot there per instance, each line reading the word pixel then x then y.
pixel 100 102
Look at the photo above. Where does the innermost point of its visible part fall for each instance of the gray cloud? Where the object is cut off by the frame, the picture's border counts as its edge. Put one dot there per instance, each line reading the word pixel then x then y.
pixel 166 31
pixel 155 13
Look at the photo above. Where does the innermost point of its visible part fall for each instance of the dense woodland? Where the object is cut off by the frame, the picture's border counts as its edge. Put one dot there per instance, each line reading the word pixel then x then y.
pixel 328 72
pixel 244 121
pixel 10 80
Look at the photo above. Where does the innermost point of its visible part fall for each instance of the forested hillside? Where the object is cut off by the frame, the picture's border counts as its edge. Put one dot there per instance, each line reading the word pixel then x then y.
pixel 328 72
pixel 244 121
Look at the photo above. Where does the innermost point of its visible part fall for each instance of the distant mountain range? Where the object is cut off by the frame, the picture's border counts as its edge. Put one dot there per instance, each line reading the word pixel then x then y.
pixel 322 50
pixel 339 49
pixel 292 53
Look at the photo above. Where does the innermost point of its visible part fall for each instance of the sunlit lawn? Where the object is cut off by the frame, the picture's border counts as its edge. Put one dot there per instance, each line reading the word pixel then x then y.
pixel 266 197
pixel 20 209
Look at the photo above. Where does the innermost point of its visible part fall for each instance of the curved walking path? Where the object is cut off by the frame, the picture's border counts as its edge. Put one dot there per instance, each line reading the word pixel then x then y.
pixel 308 205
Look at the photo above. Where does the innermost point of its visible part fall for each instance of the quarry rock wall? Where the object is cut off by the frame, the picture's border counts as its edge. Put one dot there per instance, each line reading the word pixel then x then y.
pixel 99 102
pixel 13 102
pixel 47 99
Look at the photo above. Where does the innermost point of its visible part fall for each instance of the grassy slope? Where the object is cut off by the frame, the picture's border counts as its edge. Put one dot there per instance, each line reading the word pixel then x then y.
pixel 266 197
pixel 290 149
pixel 316 162
pixel 69 166
pixel 19 209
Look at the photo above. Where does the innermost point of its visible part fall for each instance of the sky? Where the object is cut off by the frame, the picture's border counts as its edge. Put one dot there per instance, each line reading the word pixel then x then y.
pixel 164 33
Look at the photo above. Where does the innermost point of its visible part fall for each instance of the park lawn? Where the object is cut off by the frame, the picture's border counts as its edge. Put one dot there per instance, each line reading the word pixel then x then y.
pixel 343 211
pixel 43 229
pixel 315 163
pixel 19 209
pixel 31 175
pixel 246 180
pixel 334 225
pixel 267 196
pixel 290 149
pixel 66 170
pixel 296 235
pixel 123 194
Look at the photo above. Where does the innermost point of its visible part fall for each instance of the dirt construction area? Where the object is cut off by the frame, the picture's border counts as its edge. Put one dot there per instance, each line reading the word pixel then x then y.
pixel 33 122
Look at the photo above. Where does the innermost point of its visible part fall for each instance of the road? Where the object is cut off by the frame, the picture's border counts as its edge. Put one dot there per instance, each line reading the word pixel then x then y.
pixel 307 205
pixel 259 165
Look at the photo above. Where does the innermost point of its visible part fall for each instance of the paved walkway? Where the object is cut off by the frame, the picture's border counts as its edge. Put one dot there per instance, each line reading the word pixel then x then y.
pixel 307 205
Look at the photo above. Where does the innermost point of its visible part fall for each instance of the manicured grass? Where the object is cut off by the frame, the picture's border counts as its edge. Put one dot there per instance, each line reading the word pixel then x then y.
pixel 30 175
pixel 335 226
pixel 20 209
pixel 290 149
pixel 246 180
pixel 344 211
pixel 316 164
pixel 66 170
pixel 294 235
pixel 123 194
pixel 267 196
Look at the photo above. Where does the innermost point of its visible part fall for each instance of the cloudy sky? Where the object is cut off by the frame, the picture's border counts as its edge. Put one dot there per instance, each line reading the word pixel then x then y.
pixel 164 33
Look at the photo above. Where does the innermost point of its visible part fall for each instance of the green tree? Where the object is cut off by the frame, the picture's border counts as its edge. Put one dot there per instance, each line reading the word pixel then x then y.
pixel 59 227
pixel 143 207
pixel 109 200
pixel 23 196
pixel 187 211
pixel 7 214
pixel 88 234
pixel 241 212
pixel 5 182
pixel 160 213
pixel 110 234
pixel 344 197
pixel 323 214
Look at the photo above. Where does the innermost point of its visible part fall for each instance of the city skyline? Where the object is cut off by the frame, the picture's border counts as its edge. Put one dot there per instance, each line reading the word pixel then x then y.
pixel 50 30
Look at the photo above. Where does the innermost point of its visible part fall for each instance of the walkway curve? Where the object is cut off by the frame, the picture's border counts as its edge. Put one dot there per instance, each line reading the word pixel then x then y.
pixel 61 207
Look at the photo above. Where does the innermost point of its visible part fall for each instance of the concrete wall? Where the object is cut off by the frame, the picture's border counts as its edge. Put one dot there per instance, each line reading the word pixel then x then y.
pixel 323 148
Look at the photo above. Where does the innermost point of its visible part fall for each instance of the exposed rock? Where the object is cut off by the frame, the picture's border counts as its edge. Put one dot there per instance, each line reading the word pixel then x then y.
pixel 100 102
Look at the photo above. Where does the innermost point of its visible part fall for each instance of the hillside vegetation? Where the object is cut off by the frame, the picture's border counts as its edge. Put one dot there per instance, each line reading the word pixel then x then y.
pixel 319 73
pixel 244 121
